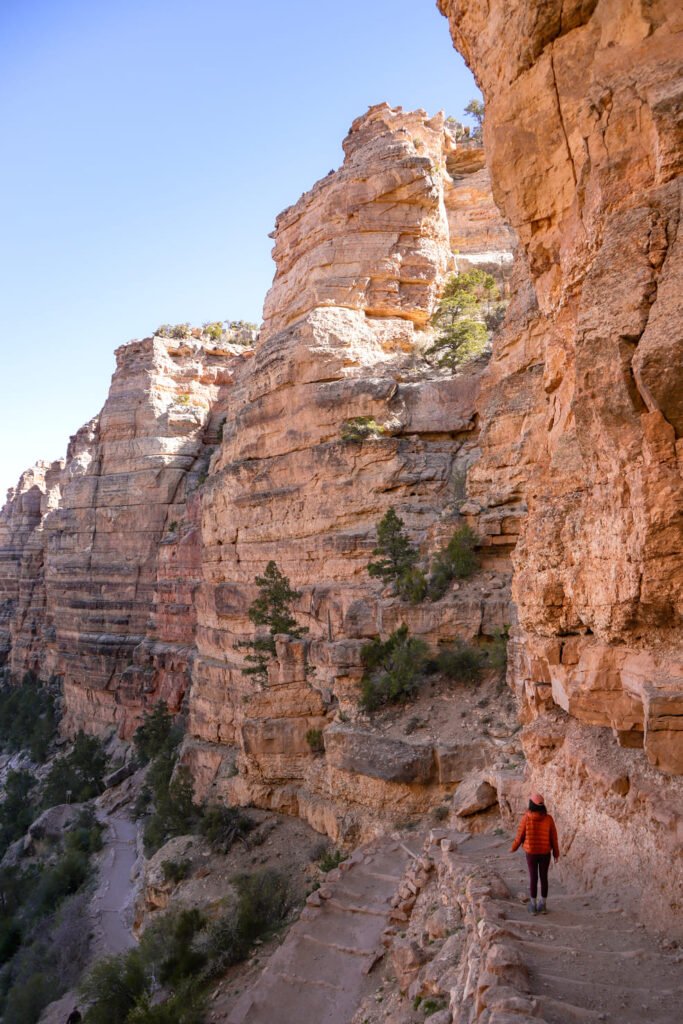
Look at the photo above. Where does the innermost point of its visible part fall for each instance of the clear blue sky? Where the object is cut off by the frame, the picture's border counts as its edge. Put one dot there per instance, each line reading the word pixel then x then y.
pixel 147 147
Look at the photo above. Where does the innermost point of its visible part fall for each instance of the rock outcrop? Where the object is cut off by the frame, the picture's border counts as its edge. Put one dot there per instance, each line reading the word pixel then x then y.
pixel 101 550
pixel 581 427
pixel 139 558
pixel 360 259
pixel 129 568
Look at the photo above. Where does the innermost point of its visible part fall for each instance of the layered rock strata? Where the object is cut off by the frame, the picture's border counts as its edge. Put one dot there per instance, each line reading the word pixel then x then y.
pixel 146 556
pixel 360 260
pixel 581 412
pixel 103 554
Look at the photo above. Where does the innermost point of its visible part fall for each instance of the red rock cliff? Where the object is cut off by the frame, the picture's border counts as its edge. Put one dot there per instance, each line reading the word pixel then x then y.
pixel 359 262
pixel 581 409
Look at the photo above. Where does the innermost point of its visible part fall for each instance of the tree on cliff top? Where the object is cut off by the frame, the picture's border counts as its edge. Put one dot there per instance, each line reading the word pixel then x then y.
pixel 272 608
pixel 475 109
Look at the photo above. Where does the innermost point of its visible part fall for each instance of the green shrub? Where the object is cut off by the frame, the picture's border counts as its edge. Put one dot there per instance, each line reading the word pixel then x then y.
pixel 497 652
pixel 17 810
pixel 27 1000
pixel 460 319
pixel 168 792
pixel 180 331
pixel 213 331
pixel 222 826
pixel 457 560
pixel 175 870
pixel 394 669
pixel 78 775
pixel 314 738
pixel 85 836
pixel 16 885
pixel 143 804
pixel 430 1006
pixel 168 946
pixel 412 585
pixel 398 555
pixel 174 812
pixel 28 718
pixel 460 662
pixel 264 900
pixel 330 860
pixel 58 882
pixel 361 428
pixel 475 109
pixel 113 988
pixel 10 938
pixel 185 1007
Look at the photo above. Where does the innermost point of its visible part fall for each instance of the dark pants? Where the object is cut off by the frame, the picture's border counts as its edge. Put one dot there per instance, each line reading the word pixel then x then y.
pixel 538 864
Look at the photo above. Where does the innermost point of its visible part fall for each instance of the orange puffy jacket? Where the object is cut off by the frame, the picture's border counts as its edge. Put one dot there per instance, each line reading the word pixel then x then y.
pixel 538 833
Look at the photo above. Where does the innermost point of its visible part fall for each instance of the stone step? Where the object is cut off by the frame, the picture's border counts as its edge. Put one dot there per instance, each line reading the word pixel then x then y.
pixel 318 974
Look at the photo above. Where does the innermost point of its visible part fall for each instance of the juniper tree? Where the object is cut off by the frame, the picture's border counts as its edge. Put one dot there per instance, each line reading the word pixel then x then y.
pixel 460 319
pixel 475 108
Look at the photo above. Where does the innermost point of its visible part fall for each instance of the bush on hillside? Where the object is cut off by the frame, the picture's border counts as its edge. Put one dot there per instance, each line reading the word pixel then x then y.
pixel 17 810
pixel 460 662
pixel 394 669
pixel 157 732
pixel 222 826
pixel 271 609
pixel 458 560
pixel 361 428
pixel 460 319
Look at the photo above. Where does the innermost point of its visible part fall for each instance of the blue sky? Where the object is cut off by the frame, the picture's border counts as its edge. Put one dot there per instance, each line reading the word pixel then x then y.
pixel 148 146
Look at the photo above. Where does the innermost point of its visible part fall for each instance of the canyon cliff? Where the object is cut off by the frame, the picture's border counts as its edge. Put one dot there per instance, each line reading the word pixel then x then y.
pixel 581 415
pixel 128 569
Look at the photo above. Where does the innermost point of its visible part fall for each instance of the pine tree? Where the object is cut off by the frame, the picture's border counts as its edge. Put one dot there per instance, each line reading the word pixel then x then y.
pixel 272 608
pixel 399 555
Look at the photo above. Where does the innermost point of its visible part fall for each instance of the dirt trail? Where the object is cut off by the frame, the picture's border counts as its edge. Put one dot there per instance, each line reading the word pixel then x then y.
pixel 110 907
pixel 319 973
pixel 112 902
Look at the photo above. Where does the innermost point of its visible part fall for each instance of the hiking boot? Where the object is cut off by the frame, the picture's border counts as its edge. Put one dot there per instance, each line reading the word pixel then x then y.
pixel 531 906
pixel 541 907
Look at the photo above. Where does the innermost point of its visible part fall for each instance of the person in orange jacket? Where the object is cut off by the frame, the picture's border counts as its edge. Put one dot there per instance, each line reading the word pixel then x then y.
pixel 538 834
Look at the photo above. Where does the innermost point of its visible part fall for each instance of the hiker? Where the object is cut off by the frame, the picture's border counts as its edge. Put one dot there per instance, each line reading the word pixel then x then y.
pixel 74 1017
pixel 538 833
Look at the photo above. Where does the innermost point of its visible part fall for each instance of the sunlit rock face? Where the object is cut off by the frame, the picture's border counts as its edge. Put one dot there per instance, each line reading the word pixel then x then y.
pixel 134 559
pixel 378 235
pixel 581 409
pixel 102 557
pixel 360 260
pixel 21 553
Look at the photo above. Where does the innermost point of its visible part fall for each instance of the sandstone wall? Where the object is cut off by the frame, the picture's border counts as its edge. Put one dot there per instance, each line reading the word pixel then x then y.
pixel 20 551
pixel 100 551
pixel 359 262
pixel 581 410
